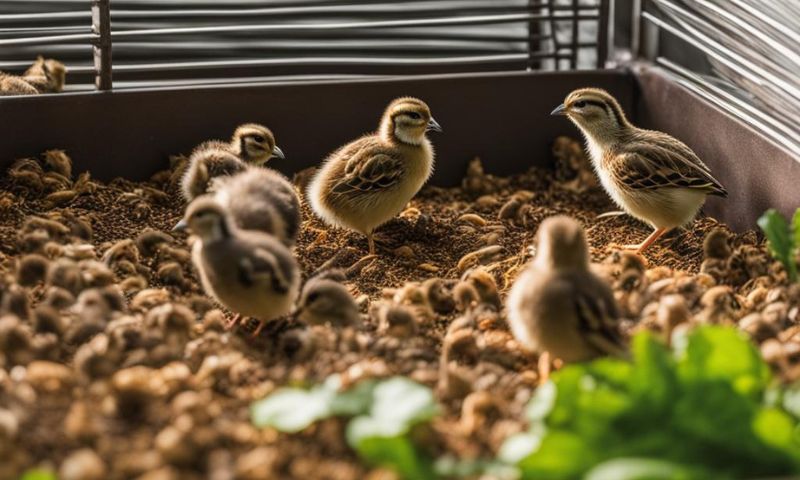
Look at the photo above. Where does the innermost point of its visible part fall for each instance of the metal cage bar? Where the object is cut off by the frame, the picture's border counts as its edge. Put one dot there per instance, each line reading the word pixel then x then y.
pixel 203 42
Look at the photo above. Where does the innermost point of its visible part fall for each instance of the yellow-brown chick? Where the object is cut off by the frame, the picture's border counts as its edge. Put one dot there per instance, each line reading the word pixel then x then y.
pixel 324 300
pixel 557 305
pixel 250 272
pixel 59 162
pixel 252 144
pixel 46 75
pixel 14 85
pixel 369 181
pixel 719 306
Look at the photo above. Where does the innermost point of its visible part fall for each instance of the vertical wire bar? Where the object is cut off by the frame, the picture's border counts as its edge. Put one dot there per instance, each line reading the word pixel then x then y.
pixel 101 46
pixel 603 40
pixel 573 54
pixel 636 28
pixel 557 57
pixel 532 41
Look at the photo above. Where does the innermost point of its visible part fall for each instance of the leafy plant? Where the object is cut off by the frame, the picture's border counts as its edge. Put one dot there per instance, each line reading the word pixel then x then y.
pixel 698 412
pixel 386 414
pixel 783 239
pixel 38 474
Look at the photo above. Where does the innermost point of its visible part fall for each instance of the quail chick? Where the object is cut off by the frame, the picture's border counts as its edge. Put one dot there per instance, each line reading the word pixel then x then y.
pixel 651 175
pixel 14 85
pixel 46 75
pixel 252 144
pixel 250 272
pixel 370 180
pixel 558 305
pixel 261 199
pixel 326 301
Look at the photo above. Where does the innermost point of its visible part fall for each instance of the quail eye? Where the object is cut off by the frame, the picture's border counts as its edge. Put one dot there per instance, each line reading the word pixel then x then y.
pixel 414 115
pixel 579 104
pixel 312 297
pixel 258 138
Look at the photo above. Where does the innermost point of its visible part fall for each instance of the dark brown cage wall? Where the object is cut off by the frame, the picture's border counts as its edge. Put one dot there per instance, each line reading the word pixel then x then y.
pixel 168 75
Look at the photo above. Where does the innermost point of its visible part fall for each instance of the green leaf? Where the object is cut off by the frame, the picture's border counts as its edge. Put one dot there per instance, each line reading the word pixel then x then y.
pixel 400 400
pixel 518 447
pixel 774 427
pixel 653 379
pixel 382 437
pixel 451 467
pixel 719 353
pixel 542 403
pixel 644 469
pixel 293 409
pixel 355 401
pixel 395 452
pixel 780 241
pixel 791 399
pixel 38 474
pixel 796 231
pixel 561 455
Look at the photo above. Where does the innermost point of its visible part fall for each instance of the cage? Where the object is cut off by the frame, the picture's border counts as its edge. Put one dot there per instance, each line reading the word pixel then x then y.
pixel 148 79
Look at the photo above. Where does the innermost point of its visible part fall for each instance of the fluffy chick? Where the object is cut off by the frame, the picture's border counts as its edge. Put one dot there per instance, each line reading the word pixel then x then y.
pixel 250 272
pixel 369 181
pixel 326 301
pixel 558 305
pixel 46 75
pixel 252 144
pixel 261 199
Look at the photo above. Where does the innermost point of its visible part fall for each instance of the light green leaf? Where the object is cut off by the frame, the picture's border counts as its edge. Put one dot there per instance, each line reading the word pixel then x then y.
pixel 354 401
pixel 774 427
pixel 643 469
pixel 791 399
pixel 561 455
pixel 519 446
pixel 400 400
pixel 451 467
pixel 542 403
pixel 39 474
pixel 292 409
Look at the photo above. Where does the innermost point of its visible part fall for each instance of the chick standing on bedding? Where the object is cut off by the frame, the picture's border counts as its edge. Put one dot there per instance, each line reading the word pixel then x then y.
pixel 252 144
pixel 325 300
pixel 260 199
pixel 557 305
pixel 249 272
pixel 651 175
pixel 370 180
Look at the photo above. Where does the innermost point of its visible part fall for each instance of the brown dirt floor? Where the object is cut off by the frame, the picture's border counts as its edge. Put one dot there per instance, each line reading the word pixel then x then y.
pixel 111 356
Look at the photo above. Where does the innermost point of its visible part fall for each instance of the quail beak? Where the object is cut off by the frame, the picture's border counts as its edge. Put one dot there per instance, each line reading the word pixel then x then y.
pixel 277 152
pixel 434 125
pixel 180 226
pixel 559 110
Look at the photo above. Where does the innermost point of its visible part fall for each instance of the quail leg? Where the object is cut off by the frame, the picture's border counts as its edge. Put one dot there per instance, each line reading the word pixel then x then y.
pixel 544 367
pixel 657 233
pixel 233 321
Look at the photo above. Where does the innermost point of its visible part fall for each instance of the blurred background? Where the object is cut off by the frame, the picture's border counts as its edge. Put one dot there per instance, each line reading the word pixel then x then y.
pixel 739 54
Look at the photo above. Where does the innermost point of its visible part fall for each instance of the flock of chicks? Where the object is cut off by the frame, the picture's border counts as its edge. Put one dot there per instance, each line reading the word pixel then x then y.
pixel 123 331
pixel 44 76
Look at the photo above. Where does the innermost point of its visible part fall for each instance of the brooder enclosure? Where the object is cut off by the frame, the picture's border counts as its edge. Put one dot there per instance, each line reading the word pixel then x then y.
pixel 116 361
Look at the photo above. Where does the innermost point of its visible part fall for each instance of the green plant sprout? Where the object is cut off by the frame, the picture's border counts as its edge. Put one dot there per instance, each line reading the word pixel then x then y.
pixel 783 239
pixel 385 415
pixel 706 409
